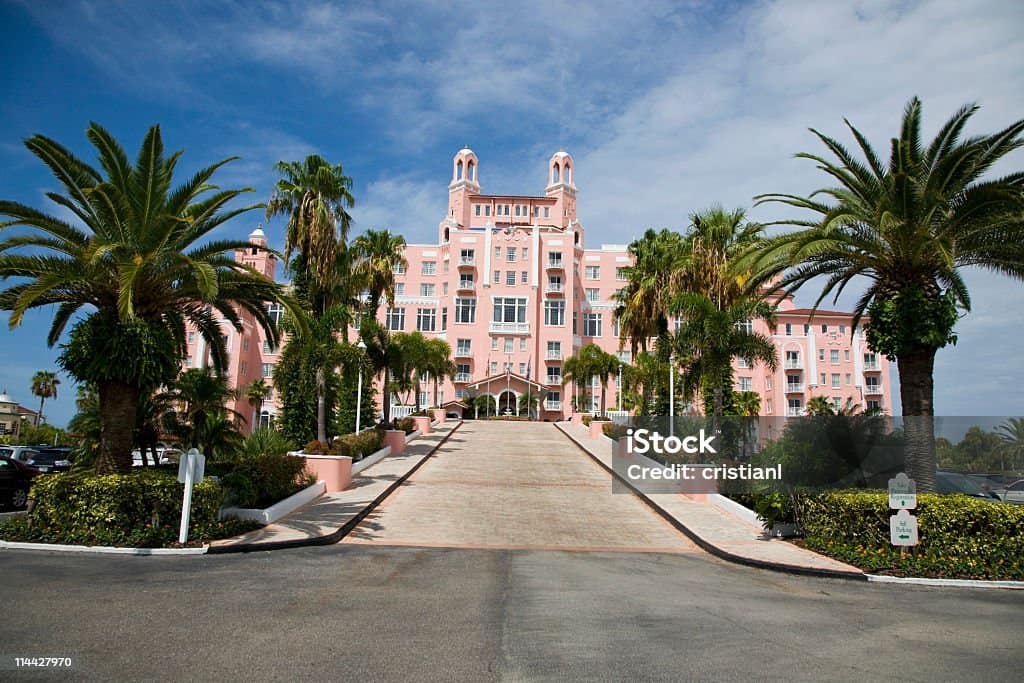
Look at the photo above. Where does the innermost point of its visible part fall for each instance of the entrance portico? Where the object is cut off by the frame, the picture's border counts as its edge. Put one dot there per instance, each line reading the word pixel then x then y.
pixel 506 389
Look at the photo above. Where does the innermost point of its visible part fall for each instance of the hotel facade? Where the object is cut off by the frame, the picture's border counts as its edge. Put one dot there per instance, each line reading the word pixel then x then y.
pixel 514 289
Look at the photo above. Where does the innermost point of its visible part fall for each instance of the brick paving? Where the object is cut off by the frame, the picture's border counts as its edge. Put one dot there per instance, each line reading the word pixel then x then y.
pixel 515 485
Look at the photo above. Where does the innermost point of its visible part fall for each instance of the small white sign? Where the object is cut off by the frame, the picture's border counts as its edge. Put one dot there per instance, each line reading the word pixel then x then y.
pixel 903 528
pixel 902 493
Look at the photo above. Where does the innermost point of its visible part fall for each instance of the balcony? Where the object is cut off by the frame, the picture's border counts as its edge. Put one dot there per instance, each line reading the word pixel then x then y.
pixel 872 366
pixel 552 405
pixel 872 389
pixel 509 328
pixel 554 355
pixel 461 377
pixel 794 364
pixel 465 286
pixel 463 352
pixel 553 380
pixel 467 262
pixel 554 288
pixel 794 412
pixel 555 264
pixel 794 388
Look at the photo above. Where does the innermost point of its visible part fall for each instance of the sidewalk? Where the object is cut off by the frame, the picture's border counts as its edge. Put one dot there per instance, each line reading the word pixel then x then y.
pixel 327 519
pixel 716 530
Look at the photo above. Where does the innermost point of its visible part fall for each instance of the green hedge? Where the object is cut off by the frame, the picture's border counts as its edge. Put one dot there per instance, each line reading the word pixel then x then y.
pixel 262 480
pixel 614 431
pixel 959 536
pixel 406 424
pixel 356 446
pixel 141 509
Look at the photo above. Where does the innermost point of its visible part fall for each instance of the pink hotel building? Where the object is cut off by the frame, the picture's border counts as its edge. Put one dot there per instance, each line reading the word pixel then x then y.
pixel 511 286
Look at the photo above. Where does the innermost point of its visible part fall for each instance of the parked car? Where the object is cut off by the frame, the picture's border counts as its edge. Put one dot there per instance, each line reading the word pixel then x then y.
pixel 954 482
pixel 15 480
pixel 20 453
pixel 164 455
pixel 1014 493
pixel 51 460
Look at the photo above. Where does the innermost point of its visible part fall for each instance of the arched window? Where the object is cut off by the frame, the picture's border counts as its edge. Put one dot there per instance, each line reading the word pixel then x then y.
pixel 556 175
pixel 568 174
pixel 458 170
pixel 471 171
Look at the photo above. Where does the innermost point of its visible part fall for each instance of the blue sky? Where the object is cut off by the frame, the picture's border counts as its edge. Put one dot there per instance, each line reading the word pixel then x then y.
pixel 667 108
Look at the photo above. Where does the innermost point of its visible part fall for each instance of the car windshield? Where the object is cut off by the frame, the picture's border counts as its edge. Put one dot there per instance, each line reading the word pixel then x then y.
pixel 6 452
pixel 47 458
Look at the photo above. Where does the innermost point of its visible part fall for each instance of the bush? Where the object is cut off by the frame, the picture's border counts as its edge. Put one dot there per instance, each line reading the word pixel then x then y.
pixel 263 480
pixel 360 445
pixel 587 419
pixel 406 424
pixel 141 509
pixel 614 431
pixel 265 441
pixel 959 536
pixel 315 447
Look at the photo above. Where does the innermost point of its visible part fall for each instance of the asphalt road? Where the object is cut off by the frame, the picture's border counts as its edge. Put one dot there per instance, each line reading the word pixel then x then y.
pixel 351 612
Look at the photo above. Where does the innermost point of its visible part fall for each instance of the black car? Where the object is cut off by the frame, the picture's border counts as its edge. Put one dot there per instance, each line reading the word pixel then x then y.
pixel 51 460
pixel 15 480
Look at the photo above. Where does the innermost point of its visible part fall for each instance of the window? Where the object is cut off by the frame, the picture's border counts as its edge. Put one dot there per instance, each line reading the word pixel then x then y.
pixel 554 313
pixel 268 370
pixel 508 344
pixel 792 359
pixel 497 253
pixel 593 272
pixel 847 379
pixel 497 277
pixel 870 360
pixel 837 404
pixel 509 309
pixel 835 380
pixel 620 273
pixel 522 369
pixel 846 355
pixel 842 329
pixel 807 330
pixel 522 343
pixel 487 210
pixel 591 324
pixel 462 372
pixel 463 347
pixel 477 207
pixel 834 356
pixel 395 319
pixel 824 329
pixel 526 254
pixel 872 383
pixel 467 256
pixel 821 355
pixel 524 277
pixel 547 212
pixel 554 349
pixel 555 258
pixel 494 367
pixel 398 269
pixel 510 253
pixel 191 337
pixel 446 264
pixel 593 294
pixel 795 406
pixel 466 281
pixel 444 318
pixel 429 267
pixel 554 374
pixel 536 212
pixel 276 312
pixel 746 383
pixel 494 343
pixel 399 289
pixel 465 310
pixel 510 278
pixel 822 378
pixel 616 327
pixel 768 382
pixel 427 290
pixel 244 368
pixel 426 319
pixel 874 406
pixel 188 361
pixel 789 329
pixel 742 363
pixel 268 347
pixel 745 326
pixel 768 407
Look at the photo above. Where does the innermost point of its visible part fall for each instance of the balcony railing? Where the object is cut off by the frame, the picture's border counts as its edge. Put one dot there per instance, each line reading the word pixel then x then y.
pixel 463 353
pixel 461 377
pixel 872 389
pixel 466 285
pixel 554 355
pixel 794 388
pixel 509 328
pixel 794 364
pixel 553 380
pixel 552 405
pixel 872 366
pixel 468 261
pixel 554 288
pixel 794 412
pixel 554 264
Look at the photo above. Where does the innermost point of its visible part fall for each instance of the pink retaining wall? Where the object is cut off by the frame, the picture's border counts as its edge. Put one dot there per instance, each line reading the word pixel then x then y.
pixel 335 471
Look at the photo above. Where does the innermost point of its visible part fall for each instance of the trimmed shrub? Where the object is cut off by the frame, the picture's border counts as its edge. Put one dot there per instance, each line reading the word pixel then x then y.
pixel 959 536
pixel 614 431
pixel 406 424
pixel 263 480
pixel 587 419
pixel 139 509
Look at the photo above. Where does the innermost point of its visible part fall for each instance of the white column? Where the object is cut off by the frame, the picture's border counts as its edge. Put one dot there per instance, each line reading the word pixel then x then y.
pixel 536 256
pixel 487 254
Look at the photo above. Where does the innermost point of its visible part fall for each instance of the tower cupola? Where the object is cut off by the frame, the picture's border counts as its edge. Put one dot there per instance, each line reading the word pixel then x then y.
pixel 465 166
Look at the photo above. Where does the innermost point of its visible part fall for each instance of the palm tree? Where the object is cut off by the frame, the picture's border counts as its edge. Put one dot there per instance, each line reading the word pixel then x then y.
pixel 316 196
pixel 202 420
pixel 530 402
pixel 748 403
pixel 589 362
pixel 1012 434
pixel 385 358
pixel 576 370
pixel 378 254
pixel 820 406
pixel 257 393
pixel 439 363
pixel 643 304
pixel 44 385
pixel 133 253
pixel 908 227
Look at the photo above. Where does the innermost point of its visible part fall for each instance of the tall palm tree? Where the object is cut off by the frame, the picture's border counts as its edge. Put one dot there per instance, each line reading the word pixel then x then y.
pixel 908 226
pixel 202 418
pixel 589 362
pixel 315 195
pixel 819 406
pixel 439 364
pixel 1012 434
pixel 748 403
pixel 378 253
pixel 385 358
pixel 44 385
pixel 256 393
pixel 577 370
pixel 138 252
pixel 642 310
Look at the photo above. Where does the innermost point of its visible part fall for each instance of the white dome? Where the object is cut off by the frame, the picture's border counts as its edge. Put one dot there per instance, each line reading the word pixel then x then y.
pixel 560 153
pixel 257 233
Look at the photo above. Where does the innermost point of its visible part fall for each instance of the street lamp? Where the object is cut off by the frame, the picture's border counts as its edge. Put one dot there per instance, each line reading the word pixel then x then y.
pixel 359 385
pixel 619 392
pixel 671 394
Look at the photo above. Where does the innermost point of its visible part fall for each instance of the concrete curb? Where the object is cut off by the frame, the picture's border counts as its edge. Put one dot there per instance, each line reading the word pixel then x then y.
pixel 946 583
pixel 709 547
pixel 279 509
pixel 101 549
pixel 342 531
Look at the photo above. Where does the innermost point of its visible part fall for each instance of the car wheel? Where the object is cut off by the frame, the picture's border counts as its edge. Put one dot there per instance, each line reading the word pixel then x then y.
pixel 19 498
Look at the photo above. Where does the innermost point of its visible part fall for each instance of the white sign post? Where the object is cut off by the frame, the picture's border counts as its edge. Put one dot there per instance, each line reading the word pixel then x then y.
pixel 191 469
pixel 902 493
pixel 903 529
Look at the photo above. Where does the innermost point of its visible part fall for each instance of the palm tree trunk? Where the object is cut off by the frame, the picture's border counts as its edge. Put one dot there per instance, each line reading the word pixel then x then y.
pixel 716 412
pixel 916 395
pixel 435 392
pixel 118 404
pixel 321 406
pixel 39 415
pixel 386 401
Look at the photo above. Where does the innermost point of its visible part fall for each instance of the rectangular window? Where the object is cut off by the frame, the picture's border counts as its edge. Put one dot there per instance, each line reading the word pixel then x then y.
pixel 509 309
pixel 477 207
pixel 268 370
pixel 276 312
pixel 555 259
pixel 395 319
pixel 789 329
pixel 508 344
pixel 593 294
pixel 554 349
pixel 592 324
pixel 444 319
pixel 465 310
pixel 426 319
pixel 846 355
pixel 467 257
pixel 463 371
pixel 510 254
pixel 463 347
pixel 554 374
pixel 522 369
pixel 188 361
pixel 835 380
pixel 494 343
pixel 497 253
pixel 191 337
pixel 524 277
pixel 497 277
pixel 745 326
pixel 427 290
pixel 746 383
pixel 397 269
pixel 821 355
pixel 807 330
pixel 822 379
pixel 837 404
pixel 874 406
pixel 842 329
pixel 268 347
pixel 554 313
pixel 834 356
pixel 547 212
pixel 466 281
pixel 536 212
pixel 522 343
pixel 429 267
pixel 615 327
pixel 743 363
pixel 824 329
pixel 620 273
pixel 593 272
pixel 399 289
pixel 526 254
pixel 494 367
pixel 847 379
pixel 487 210
pixel 510 278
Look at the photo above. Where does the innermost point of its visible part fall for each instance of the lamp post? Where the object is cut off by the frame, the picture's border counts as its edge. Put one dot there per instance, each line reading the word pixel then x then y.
pixel 619 392
pixel 359 384
pixel 672 395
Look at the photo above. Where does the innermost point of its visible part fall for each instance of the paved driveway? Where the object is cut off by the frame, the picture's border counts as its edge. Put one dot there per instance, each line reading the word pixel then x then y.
pixel 516 485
